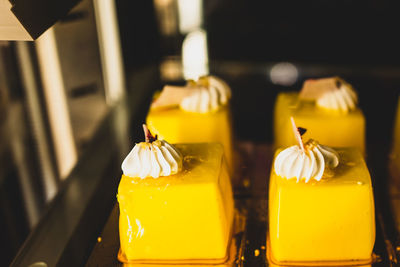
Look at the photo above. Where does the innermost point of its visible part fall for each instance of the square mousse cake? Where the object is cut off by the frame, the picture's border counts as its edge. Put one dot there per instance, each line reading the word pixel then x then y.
pixel 185 216
pixel 331 128
pixel 330 220
pixel 195 113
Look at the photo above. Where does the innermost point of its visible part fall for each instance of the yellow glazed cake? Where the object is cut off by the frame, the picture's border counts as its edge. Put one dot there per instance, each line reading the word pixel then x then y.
pixel 181 210
pixel 327 108
pixel 321 206
pixel 198 112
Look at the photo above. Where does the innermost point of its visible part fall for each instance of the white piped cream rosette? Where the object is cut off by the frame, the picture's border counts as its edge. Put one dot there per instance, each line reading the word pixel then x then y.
pixel 330 93
pixel 305 161
pixel 207 94
pixel 153 158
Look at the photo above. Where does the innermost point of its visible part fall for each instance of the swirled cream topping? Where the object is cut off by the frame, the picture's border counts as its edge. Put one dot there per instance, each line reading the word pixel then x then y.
pixel 208 94
pixel 152 158
pixel 330 93
pixel 305 163
pixel 343 99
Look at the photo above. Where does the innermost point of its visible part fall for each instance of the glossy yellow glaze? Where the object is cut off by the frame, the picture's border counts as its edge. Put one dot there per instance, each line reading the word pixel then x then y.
pixel 179 126
pixel 188 215
pixel 329 220
pixel 330 128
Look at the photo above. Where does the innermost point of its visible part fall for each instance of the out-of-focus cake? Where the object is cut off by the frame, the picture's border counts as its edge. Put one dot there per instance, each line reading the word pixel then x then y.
pixel 195 113
pixel 327 108
pixel 175 203
pixel 321 206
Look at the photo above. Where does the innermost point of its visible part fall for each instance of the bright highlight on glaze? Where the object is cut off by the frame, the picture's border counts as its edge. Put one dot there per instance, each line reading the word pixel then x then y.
pixel 153 158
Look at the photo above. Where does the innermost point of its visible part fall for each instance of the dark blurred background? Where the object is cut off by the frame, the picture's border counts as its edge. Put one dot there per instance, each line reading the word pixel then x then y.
pixel 319 32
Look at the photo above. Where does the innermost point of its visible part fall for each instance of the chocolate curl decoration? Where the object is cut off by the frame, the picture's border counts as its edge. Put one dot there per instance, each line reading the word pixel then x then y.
pixel 298 132
pixel 147 134
pixel 302 130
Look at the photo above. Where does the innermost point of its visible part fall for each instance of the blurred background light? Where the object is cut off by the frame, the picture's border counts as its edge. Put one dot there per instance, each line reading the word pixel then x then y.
pixel 56 102
pixel 110 50
pixel 190 15
pixel 167 17
pixel 195 55
pixel 284 73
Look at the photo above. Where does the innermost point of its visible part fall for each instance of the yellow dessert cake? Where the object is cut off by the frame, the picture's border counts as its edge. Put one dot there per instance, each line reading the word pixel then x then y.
pixel 184 214
pixel 321 206
pixel 327 108
pixel 197 112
